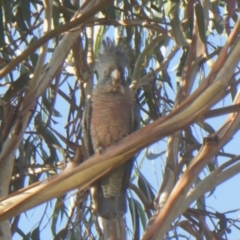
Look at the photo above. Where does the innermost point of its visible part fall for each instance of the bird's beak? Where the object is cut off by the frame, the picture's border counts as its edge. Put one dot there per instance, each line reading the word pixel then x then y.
pixel 116 76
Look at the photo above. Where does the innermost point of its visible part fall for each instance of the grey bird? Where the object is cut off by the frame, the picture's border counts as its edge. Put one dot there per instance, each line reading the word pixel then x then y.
pixel 110 115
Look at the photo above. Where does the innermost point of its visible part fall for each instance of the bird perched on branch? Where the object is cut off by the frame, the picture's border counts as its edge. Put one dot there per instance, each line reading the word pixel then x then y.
pixel 110 115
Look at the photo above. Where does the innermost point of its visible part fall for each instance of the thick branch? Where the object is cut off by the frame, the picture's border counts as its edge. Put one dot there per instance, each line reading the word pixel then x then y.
pixel 98 165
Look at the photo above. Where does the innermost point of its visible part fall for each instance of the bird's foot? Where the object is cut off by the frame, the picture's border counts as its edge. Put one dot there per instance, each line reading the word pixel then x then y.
pixel 99 150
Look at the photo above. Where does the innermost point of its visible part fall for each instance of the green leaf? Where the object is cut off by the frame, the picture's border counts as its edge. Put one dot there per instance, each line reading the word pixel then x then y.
pixel 141 214
pixel 153 156
pixel 48 137
pixel 146 188
pixel 26 11
pixel 16 86
pixel 135 218
pixel 48 104
pixel 35 234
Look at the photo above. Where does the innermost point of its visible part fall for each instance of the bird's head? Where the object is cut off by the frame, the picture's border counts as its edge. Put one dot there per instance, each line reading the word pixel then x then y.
pixel 111 66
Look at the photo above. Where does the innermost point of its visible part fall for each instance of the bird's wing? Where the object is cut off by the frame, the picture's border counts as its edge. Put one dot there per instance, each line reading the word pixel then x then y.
pixel 135 123
pixel 135 117
pixel 86 121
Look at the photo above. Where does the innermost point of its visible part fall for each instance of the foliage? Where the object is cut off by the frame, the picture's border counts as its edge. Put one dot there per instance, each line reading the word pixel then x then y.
pixel 181 60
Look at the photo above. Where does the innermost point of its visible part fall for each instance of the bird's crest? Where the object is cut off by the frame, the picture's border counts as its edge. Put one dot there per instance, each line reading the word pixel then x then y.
pixel 112 57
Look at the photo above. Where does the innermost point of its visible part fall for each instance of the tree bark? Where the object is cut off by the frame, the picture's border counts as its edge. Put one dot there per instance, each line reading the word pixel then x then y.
pixel 5 177
pixel 114 229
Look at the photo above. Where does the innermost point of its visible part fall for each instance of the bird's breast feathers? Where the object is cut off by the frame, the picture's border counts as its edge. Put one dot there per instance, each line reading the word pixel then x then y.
pixel 110 122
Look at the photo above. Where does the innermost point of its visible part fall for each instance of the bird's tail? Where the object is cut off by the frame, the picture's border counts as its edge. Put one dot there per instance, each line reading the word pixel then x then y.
pixel 113 207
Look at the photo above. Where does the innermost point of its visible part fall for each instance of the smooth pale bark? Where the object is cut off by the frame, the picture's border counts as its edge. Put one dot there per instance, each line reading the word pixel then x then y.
pixel 5 177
